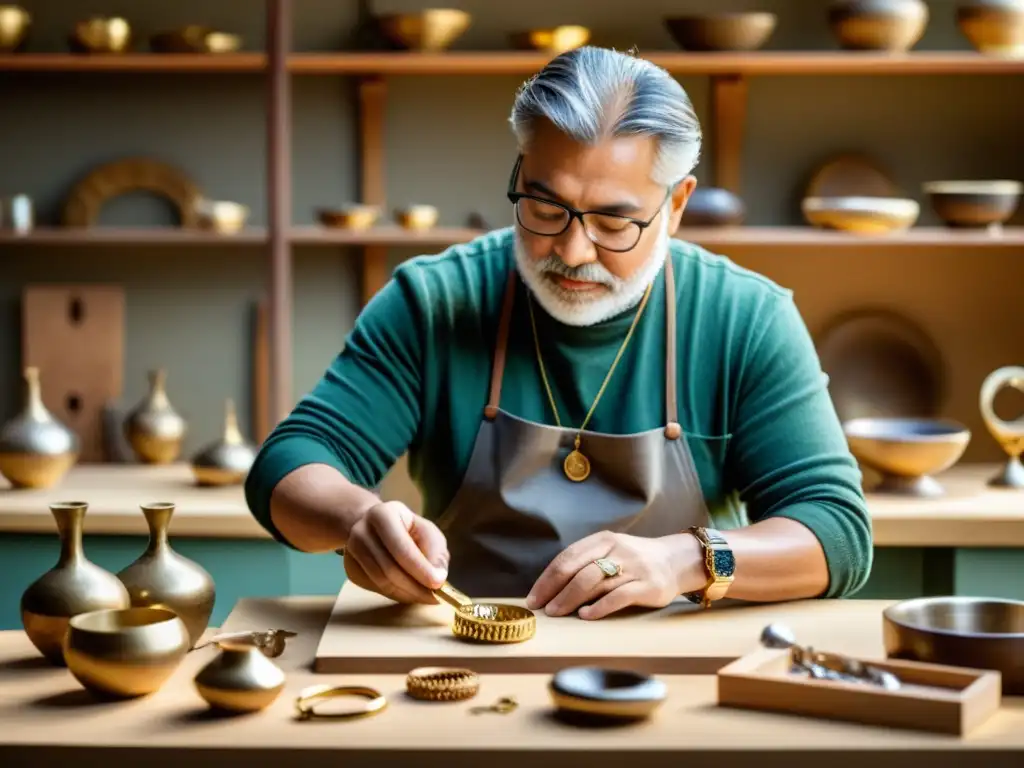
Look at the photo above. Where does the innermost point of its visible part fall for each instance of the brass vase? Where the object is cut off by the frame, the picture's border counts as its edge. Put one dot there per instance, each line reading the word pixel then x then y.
pixel 240 679
pixel 36 450
pixel 226 461
pixel 154 429
pixel 161 578
pixel 73 586
pixel 1009 434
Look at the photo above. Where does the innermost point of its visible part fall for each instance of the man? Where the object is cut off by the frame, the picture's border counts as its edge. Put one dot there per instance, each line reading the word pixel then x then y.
pixel 597 415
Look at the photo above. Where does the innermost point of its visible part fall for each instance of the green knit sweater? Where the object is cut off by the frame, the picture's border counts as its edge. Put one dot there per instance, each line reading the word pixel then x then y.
pixel 753 401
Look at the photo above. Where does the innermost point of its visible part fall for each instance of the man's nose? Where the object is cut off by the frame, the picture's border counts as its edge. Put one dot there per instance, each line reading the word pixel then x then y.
pixel 574 247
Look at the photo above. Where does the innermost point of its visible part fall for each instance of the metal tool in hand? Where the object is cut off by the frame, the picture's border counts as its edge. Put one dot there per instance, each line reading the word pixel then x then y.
pixel 827 666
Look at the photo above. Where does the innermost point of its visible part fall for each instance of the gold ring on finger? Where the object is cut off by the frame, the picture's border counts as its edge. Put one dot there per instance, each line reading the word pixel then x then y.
pixel 608 567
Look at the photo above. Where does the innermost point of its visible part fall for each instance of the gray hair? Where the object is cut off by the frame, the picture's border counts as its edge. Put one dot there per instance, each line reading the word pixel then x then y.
pixel 594 93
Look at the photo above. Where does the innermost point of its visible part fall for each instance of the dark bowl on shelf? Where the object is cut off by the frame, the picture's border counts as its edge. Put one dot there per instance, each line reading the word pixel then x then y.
pixel 974 204
pixel 972 632
pixel 722 31
pixel 713 207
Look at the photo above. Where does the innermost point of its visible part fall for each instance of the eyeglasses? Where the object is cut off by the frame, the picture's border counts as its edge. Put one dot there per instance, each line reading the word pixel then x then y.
pixel 549 219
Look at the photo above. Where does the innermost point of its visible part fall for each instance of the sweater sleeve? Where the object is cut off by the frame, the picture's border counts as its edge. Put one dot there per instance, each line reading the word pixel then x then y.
pixel 363 413
pixel 788 456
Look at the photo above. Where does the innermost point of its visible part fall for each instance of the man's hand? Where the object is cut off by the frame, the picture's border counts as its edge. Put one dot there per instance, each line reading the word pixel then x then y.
pixel 653 572
pixel 395 552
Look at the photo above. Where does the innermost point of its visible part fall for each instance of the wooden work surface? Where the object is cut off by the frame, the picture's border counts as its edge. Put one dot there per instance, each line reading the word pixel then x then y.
pixel 370 633
pixel 970 515
pixel 46 719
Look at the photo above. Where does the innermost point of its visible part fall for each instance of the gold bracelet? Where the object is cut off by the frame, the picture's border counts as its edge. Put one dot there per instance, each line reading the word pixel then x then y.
pixel 495 623
pixel 442 684
pixel 310 697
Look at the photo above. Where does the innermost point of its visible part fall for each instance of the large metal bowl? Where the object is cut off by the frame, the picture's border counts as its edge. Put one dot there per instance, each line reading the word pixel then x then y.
pixel 974 632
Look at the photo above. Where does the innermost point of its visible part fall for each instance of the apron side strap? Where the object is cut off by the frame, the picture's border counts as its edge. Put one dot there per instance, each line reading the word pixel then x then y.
pixel 500 348
pixel 671 395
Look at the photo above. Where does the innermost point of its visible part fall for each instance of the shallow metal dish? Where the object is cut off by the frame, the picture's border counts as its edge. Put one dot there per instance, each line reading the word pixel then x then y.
pixel 973 632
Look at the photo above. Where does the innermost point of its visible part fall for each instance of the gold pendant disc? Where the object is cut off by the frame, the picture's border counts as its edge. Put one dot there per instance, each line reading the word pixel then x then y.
pixel 577 467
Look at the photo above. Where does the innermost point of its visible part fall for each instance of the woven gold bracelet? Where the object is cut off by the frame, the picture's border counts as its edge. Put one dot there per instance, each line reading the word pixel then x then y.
pixel 442 684
pixel 488 622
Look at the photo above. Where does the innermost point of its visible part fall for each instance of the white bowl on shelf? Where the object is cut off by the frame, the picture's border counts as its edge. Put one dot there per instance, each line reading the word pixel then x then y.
pixel 861 215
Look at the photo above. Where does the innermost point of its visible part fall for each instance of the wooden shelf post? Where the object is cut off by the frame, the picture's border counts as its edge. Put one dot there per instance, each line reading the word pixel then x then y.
pixel 728 126
pixel 372 104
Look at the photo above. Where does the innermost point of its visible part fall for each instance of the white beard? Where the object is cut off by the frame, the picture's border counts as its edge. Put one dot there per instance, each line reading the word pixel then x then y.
pixel 579 309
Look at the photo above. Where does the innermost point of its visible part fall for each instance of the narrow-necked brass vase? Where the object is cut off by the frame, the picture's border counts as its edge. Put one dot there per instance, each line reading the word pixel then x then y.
pixel 240 679
pixel 73 586
pixel 161 578
pixel 1009 434
pixel 227 461
pixel 36 450
pixel 154 429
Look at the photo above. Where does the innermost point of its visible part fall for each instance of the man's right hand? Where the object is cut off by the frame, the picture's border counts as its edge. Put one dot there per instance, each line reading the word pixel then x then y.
pixel 395 552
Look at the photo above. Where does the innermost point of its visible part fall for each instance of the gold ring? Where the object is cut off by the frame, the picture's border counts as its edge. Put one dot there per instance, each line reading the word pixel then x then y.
pixel 494 623
pixel 608 567
pixel 442 684
pixel 310 697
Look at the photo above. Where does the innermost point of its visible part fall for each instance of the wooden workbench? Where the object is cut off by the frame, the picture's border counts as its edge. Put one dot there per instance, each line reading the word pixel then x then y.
pixel 46 719
pixel 970 515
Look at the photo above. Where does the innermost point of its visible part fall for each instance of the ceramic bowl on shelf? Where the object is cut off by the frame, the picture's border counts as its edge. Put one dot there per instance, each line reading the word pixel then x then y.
pixel 713 207
pixel 15 22
pixel 554 40
pixel 993 27
pixel 907 452
pixel 429 31
pixel 722 31
pixel 352 216
pixel 861 215
pixel 222 216
pixel 972 632
pixel 974 203
pixel 878 25
pixel 417 217
pixel 101 35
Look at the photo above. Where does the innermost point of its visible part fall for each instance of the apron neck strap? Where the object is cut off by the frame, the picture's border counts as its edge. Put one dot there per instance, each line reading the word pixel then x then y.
pixel 672 428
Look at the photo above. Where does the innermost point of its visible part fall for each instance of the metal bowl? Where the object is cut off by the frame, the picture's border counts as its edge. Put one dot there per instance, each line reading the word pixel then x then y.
pixel 974 203
pixel 101 35
pixel 14 25
pixel 907 452
pixel 713 207
pixel 430 30
pixel 973 632
pixel 993 27
pixel 722 31
pixel 417 217
pixel 552 40
pixel 878 25
pixel 861 215
pixel 351 216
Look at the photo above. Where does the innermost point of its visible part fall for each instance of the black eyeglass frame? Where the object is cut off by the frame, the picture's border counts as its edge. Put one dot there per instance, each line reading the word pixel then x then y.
pixel 514 198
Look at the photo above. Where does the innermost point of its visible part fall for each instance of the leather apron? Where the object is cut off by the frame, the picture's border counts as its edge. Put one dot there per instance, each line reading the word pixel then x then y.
pixel 516 510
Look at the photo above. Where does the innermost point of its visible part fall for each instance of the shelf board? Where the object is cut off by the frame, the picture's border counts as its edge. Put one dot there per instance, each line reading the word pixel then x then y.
pixel 809 63
pixel 382 236
pixel 810 237
pixel 133 62
pixel 130 236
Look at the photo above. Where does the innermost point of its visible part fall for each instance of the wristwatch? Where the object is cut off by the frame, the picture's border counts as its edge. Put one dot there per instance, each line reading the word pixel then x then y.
pixel 719 563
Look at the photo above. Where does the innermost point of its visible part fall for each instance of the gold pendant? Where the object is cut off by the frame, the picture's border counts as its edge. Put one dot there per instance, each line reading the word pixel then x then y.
pixel 576 465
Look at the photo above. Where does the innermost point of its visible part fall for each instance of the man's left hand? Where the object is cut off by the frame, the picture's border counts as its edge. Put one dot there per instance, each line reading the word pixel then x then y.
pixel 652 573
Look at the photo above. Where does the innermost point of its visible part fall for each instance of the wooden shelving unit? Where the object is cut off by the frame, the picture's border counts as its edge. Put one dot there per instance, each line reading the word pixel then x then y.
pixel 729 74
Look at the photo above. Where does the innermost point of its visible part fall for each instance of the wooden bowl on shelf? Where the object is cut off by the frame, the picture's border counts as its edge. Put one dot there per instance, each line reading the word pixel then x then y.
pixel 974 204
pixel 195 38
pixel 355 216
pixel 554 40
pixel 429 31
pixel 907 452
pixel 15 22
pixel 722 31
pixel 993 27
pixel 878 25
pixel 417 217
pixel 101 35
pixel 861 215
pixel 713 207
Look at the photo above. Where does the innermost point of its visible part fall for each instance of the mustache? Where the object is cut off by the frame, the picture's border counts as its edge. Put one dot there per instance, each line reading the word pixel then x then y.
pixel 592 272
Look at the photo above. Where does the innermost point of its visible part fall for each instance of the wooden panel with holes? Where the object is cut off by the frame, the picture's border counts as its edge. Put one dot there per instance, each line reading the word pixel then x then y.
pixel 74 334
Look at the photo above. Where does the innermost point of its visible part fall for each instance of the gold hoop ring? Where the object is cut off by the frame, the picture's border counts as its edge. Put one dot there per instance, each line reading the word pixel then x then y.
pixel 310 697
pixel 608 567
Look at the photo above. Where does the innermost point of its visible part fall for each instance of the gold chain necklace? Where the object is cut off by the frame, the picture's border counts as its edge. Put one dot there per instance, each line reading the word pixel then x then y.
pixel 576 465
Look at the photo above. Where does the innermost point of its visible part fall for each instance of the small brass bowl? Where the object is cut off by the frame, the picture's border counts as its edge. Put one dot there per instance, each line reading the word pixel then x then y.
pixel 15 22
pixel 974 204
pixel 431 30
pixel 992 28
pixel 195 38
pixel 417 217
pixel 606 693
pixel 350 216
pixel 907 452
pixel 125 653
pixel 861 215
pixel 494 623
pixel 972 632
pixel 554 40
pixel 874 26
pixel 101 35
pixel 221 216
pixel 722 31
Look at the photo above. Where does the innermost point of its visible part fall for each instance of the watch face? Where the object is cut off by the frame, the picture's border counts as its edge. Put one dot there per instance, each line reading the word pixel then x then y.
pixel 725 563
